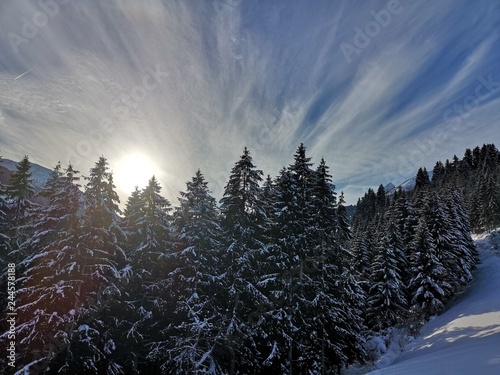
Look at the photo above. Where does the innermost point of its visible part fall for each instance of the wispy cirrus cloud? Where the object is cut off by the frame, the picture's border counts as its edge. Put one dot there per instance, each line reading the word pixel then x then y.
pixel 267 75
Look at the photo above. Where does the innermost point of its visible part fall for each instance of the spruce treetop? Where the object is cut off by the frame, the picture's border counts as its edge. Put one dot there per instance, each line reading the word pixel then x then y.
pixel 21 184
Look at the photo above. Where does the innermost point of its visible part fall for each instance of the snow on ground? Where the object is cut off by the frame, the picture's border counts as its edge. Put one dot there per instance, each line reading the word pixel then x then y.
pixel 465 339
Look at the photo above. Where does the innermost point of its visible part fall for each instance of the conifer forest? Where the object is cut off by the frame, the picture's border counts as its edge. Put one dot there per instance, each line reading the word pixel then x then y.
pixel 273 278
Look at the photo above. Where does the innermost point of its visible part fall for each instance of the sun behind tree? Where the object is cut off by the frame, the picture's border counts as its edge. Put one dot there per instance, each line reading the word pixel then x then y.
pixel 133 170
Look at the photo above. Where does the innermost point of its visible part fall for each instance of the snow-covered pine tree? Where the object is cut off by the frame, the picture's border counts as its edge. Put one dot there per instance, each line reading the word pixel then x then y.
pixel 131 214
pixel 422 180
pixel 408 224
pixel 364 228
pixel 419 206
pixel 401 210
pixel 365 213
pixel 474 206
pixel 489 201
pixel 316 309
pixel 49 301
pixel 438 174
pixel 362 250
pixel 464 249
pixel 333 316
pixel 195 341
pixel 19 191
pixel 447 222
pixel 427 286
pixel 132 206
pixel 322 269
pixel 269 198
pixel 397 220
pixel 324 201
pixel 349 325
pixel 480 190
pixel 154 223
pixel 441 229
pixel 387 301
pixel 147 296
pixel 294 212
pixel 381 202
pixel 476 157
pixel 245 224
pixel 276 278
pixel 103 262
pixel 4 238
pixel 21 188
pixel 343 232
pixel 467 163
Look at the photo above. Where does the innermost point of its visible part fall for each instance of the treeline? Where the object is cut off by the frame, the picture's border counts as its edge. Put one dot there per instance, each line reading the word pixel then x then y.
pixel 413 249
pixel 477 176
pixel 268 279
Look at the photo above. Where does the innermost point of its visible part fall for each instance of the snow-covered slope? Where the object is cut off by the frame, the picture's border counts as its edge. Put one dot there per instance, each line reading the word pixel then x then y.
pixel 389 187
pixel 466 338
pixel 40 174
pixel 406 185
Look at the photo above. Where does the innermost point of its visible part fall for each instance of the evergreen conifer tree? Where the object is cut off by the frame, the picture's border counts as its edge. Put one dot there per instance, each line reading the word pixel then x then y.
pixel 96 345
pixel 4 238
pixel 51 296
pixel 19 192
pixel 131 215
pixel 427 286
pixel 464 249
pixel 148 295
pixel 387 294
pixel 245 224
pixel 489 205
pixel 295 208
pixel 196 340
pixel 21 188
pixel 422 179
pixel 343 232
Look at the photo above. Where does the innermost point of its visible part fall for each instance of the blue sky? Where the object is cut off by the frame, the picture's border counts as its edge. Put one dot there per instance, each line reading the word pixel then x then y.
pixel 377 88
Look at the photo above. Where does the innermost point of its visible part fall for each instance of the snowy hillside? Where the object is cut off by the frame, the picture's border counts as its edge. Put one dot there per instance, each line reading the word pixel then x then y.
pixel 407 185
pixel 465 339
pixel 40 174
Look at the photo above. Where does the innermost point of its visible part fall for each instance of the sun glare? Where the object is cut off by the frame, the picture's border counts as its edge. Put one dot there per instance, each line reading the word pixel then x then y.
pixel 134 170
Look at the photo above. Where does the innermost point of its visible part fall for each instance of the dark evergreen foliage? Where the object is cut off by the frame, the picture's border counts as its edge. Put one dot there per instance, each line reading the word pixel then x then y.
pixel 387 300
pixel 275 278
pixel 434 222
pixel 422 179
pixel 195 338
pixel 19 192
pixel 96 337
pixel 5 240
pixel 245 224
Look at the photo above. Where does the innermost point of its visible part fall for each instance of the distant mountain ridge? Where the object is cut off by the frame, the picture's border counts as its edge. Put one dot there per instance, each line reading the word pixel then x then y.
pixel 40 174
pixel 406 185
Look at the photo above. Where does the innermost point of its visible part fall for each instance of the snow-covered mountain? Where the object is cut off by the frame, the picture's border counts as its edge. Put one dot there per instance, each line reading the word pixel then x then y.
pixel 40 174
pixel 389 187
pixel 407 185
